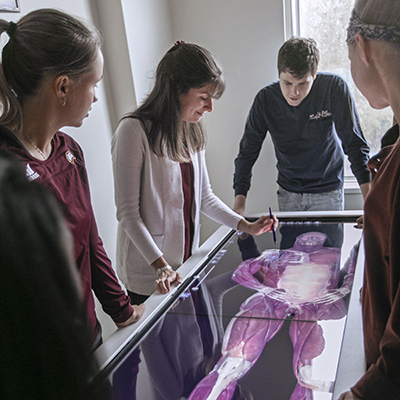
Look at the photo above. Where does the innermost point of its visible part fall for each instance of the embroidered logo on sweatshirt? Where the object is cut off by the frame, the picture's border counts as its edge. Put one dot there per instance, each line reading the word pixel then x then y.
pixel 320 114
pixel 30 173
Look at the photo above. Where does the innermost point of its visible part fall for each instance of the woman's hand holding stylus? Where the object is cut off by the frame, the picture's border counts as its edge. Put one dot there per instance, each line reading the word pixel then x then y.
pixel 264 224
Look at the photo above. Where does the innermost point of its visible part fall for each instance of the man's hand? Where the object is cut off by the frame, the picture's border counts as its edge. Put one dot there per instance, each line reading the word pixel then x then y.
pixel 359 222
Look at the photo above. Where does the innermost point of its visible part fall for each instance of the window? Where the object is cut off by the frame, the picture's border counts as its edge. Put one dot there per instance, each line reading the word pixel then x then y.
pixel 9 6
pixel 326 22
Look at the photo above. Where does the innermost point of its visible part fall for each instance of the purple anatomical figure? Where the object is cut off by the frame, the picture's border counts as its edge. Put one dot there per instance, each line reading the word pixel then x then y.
pixel 301 282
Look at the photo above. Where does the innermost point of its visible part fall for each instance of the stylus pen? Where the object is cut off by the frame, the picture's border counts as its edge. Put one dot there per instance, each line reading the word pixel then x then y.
pixel 273 229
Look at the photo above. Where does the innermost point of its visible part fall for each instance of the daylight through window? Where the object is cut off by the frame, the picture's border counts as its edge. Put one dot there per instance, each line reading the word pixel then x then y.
pixel 326 21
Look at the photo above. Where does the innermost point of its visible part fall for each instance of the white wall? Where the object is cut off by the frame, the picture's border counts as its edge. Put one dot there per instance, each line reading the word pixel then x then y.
pixel 149 37
pixel 118 79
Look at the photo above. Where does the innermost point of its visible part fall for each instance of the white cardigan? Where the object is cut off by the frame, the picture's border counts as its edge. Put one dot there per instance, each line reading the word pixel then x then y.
pixel 149 200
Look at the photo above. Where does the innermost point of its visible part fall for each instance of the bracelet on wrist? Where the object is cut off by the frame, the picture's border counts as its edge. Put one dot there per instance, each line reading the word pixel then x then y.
pixel 161 270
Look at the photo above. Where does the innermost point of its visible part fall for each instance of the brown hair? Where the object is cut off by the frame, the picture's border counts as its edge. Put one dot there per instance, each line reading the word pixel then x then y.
pixel 298 56
pixel 42 43
pixel 183 67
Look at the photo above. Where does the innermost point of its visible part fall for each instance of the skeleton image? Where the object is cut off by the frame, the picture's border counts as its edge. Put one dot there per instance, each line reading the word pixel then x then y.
pixel 301 283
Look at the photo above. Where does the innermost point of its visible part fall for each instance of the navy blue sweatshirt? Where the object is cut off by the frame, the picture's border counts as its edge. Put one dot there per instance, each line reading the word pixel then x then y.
pixel 310 139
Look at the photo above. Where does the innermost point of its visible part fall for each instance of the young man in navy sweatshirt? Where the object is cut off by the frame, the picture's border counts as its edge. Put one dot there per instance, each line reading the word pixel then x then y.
pixel 313 123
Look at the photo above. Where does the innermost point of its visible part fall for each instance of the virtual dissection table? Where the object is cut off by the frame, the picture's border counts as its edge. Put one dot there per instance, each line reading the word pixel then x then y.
pixel 253 320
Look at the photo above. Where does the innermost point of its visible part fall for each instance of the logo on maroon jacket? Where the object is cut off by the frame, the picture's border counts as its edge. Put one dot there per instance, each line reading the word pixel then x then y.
pixel 70 157
pixel 30 173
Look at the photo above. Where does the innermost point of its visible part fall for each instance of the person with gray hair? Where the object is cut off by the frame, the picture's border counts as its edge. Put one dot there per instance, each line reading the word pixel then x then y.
pixel 374 51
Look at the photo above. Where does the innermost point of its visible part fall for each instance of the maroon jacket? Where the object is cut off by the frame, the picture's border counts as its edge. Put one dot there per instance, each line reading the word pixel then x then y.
pixel 381 290
pixel 65 174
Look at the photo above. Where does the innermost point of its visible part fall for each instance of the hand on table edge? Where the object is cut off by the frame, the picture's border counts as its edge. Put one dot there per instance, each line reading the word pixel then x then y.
pixel 167 277
pixel 138 311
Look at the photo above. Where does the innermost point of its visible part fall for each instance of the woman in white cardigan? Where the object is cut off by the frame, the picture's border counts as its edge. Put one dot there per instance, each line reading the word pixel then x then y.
pixel 161 179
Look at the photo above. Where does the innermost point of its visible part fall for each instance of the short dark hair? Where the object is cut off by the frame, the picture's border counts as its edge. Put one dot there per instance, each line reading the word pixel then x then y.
pixel 298 56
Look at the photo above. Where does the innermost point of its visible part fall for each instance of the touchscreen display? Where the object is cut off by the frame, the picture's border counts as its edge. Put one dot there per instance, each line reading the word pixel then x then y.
pixel 260 320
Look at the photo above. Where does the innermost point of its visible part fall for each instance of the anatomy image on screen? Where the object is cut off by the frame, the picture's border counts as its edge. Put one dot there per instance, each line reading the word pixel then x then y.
pixel 303 283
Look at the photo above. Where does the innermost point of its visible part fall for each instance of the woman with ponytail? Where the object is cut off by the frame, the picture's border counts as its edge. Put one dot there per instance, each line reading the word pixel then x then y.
pixel 49 72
